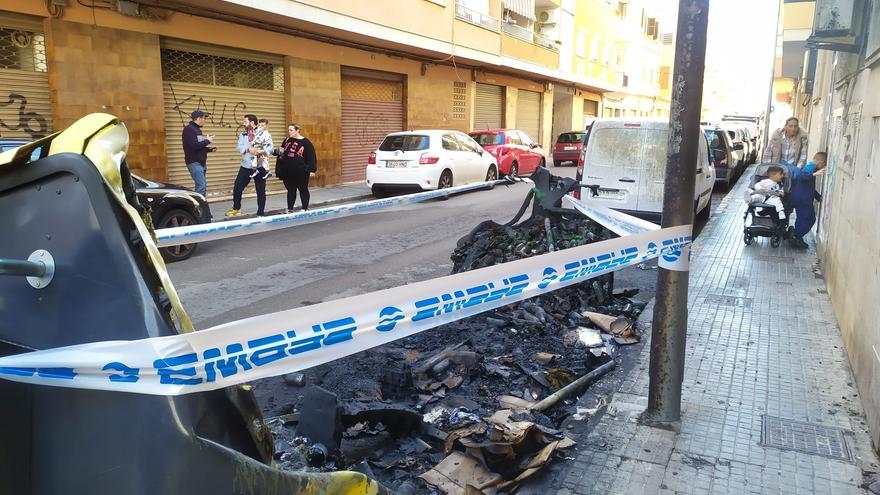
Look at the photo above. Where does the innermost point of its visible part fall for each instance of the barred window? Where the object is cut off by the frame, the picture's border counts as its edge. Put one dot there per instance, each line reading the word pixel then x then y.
pixel 199 68
pixel 23 50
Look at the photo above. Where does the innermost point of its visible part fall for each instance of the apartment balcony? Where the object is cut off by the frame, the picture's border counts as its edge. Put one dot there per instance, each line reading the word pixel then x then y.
pixel 525 44
pixel 475 17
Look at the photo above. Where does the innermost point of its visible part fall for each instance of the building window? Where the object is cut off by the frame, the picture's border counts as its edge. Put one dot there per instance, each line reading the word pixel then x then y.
pixel 580 45
pixel 594 49
pixel 874 160
pixel 621 10
pixel 651 27
pixel 625 82
pixel 22 50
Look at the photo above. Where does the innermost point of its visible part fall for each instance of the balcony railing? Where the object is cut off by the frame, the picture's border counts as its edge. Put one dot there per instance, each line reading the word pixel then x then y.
pixel 475 17
pixel 546 42
pixel 519 31
pixel 530 36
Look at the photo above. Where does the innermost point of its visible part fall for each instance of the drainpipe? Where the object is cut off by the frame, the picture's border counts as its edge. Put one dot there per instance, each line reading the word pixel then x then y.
pixel 670 307
pixel 772 78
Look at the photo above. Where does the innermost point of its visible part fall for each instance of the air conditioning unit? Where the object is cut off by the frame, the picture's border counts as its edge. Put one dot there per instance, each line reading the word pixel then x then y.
pixel 548 16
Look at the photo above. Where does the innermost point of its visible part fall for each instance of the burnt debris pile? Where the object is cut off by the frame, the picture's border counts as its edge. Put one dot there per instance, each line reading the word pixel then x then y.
pixel 475 403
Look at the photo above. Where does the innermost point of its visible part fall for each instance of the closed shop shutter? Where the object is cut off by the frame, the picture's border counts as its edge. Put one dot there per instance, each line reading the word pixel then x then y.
pixel 372 107
pixel 591 111
pixel 489 107
pixel 227 84
pixel 25 103
pixel 528 113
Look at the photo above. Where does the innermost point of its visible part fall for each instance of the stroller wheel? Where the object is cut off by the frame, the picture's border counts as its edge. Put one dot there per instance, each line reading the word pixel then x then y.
pixel 748 239
pixel 774 241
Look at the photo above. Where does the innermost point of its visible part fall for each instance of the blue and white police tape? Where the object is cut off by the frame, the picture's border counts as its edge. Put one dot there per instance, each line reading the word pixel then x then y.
pixel 233 228
pixel 292 340
pixel 615 221
pixel 624 225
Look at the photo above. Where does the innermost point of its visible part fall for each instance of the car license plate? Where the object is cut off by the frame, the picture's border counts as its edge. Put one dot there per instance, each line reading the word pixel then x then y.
pixel 396 163
pixel 609 194
pixel 570 148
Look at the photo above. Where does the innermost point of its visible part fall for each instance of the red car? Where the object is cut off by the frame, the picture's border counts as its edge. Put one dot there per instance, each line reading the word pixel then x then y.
pixel 515 151
pixel 568 148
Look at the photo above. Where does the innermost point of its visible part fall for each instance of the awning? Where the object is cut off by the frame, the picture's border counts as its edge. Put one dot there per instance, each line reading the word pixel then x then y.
pixel 525 8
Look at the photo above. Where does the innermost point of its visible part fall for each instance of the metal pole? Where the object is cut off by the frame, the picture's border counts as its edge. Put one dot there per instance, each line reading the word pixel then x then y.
pixel 772 79
pixel 670 307
pixel 22 268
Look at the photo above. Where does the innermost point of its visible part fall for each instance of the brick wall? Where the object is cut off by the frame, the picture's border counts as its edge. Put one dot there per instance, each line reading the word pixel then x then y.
pixel 97 69
pixel 431 101
pixel 315 103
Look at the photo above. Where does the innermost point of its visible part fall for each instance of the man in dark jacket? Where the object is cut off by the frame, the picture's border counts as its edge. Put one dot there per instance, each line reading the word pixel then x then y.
pixel 195 150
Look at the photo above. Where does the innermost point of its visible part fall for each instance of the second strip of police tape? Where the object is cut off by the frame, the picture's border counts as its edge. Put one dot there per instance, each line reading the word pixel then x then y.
pixel 301 338
pixel 246 226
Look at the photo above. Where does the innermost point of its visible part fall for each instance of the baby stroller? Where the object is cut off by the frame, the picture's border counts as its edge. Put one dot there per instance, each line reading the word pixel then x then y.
pixel 761 219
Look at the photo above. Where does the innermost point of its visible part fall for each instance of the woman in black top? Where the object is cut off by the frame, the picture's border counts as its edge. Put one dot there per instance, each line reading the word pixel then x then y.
pixel 296 163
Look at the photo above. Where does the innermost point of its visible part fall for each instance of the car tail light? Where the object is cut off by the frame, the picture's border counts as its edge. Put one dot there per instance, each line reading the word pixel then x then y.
pixel 372 159
pixel 428 159
pixel 576 194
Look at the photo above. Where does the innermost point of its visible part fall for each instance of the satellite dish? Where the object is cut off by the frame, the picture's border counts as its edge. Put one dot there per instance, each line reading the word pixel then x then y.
pixel 544 16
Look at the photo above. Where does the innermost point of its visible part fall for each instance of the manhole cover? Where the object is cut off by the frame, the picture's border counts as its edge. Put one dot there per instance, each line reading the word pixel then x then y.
pixel 809 438
pixel 725 300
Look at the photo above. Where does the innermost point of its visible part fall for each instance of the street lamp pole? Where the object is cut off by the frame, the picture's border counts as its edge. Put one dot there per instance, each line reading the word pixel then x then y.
pixel 670 308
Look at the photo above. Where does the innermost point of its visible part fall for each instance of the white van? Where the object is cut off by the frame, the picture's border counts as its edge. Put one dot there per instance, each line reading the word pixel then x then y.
pixel 627 159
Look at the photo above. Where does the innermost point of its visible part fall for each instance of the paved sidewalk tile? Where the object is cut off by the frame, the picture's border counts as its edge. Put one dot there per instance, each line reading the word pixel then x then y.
pixel 763 345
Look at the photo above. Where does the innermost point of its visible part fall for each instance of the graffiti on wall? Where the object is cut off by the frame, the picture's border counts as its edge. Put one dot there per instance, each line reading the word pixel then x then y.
pixel 227 116
pixel 14 116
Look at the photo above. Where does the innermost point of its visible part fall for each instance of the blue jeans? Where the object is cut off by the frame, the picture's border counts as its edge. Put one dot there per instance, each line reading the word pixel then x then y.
pixel 199 173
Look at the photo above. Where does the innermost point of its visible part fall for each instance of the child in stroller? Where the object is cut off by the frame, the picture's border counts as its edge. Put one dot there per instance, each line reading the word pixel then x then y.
pixel 769 207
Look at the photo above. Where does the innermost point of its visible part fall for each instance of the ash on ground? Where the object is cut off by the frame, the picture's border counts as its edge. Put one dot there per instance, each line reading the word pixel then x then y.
pixel 453 406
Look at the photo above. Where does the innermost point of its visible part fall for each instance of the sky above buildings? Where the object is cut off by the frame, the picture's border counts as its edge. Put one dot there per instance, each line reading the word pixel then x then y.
pixel 739 54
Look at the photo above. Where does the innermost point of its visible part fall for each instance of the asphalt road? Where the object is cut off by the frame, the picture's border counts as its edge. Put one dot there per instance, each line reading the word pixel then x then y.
pixel 246 276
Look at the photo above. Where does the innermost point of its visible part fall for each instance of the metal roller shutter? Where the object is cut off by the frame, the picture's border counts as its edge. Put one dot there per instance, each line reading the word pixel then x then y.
pixel 489 107
pixel 227 85
pixel 528 113
pixel 25 101
pixel 591 111
pixel 371 109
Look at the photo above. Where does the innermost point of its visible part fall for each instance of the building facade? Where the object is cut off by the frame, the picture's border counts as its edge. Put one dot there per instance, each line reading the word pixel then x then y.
pixel 838 102
pixel 348 73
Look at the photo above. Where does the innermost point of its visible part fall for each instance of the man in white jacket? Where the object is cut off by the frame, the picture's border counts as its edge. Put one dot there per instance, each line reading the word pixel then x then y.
pixel 248 152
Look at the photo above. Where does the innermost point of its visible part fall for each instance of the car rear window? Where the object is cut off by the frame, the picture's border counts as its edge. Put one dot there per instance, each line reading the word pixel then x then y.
pixel 616 147
pixel 488 138
pixel 405 142
pixel 571 137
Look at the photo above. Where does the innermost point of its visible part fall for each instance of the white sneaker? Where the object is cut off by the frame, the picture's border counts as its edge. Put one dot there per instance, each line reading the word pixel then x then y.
pixel 255 173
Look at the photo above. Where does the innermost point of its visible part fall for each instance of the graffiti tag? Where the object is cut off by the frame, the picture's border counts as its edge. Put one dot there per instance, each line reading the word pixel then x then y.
pixel 218 118
pixel 32 123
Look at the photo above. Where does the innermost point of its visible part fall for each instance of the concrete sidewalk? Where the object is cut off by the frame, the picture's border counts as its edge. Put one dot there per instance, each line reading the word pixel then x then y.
pixel 277 203
pixel 769 402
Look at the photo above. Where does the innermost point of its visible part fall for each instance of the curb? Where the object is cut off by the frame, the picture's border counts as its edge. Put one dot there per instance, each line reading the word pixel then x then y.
pixel 279 211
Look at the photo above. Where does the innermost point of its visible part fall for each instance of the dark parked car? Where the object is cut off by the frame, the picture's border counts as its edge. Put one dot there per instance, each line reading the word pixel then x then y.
pixel 568 148
pixel 170 205
pixel 720 148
